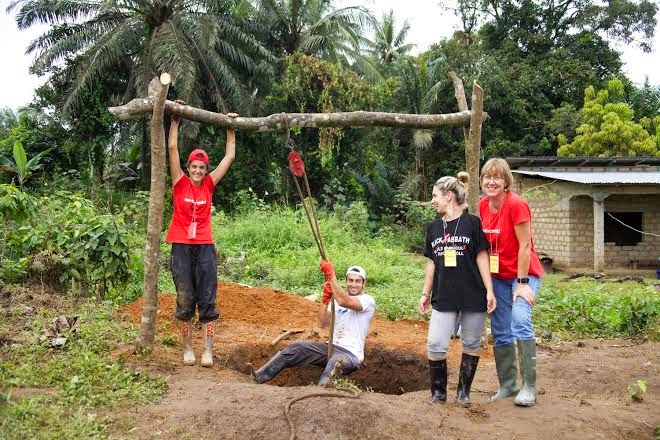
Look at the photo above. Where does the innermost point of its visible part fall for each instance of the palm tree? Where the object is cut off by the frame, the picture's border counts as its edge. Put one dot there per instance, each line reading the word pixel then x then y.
pixel 200 43
pixel 388 44
pixel 420 86
pixel 314 27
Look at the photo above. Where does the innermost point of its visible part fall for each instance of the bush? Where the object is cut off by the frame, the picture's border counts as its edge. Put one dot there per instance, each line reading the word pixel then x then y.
pixel 68 239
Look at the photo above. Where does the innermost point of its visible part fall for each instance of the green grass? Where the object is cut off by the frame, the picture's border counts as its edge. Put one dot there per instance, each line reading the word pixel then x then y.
pixel 281 252
pixel 587 308
pixel 84 384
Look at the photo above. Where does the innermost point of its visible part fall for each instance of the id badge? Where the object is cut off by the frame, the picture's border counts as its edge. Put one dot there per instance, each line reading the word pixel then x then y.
pixel 450 257
pixel 192 230
pixel 494 261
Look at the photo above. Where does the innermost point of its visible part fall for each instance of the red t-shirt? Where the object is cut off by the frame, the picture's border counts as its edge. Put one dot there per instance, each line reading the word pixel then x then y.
pixel 500 233
pixel 191 203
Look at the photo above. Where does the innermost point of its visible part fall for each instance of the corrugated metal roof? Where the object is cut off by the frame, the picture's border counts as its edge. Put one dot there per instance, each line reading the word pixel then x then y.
pixel 517 162
pixel 601 177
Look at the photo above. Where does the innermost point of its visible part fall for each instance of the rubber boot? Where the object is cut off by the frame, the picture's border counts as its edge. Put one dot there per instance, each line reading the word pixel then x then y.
pixel 271 369
pixel 505 364
pixel 208 332
pixel 438 370
pixel 527 354
pixel 465 377
pixel 186 341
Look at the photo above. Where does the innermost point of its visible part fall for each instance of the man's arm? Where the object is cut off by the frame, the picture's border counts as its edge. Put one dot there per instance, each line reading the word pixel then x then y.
pixel 343 298
pixel 325 317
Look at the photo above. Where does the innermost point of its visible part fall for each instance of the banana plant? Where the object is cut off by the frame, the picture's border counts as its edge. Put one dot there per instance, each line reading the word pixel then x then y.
pixel 21 167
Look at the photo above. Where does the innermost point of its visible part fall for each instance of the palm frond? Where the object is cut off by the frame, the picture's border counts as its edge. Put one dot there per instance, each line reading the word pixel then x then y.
pixel 31 12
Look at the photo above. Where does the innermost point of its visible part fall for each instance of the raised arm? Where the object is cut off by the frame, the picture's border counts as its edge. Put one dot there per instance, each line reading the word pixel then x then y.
pixel 230 153
pixel 173 148
pixel 343 298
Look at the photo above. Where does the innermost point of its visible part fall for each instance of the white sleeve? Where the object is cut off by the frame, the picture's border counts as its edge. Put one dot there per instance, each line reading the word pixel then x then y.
pixel 368 303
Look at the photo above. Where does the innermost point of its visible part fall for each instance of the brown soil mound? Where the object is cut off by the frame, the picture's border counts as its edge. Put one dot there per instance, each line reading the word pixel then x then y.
pixel 582 387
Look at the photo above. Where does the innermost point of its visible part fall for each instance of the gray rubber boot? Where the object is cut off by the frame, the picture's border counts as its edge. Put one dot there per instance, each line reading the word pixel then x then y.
pixel 505 364
pixel 208 333
pixel 271 369
pixel 527 354
pixel 438 371
pixel 186 341
pixel 465 377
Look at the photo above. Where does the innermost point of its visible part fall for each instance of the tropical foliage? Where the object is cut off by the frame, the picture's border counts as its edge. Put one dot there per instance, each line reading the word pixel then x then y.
pixel 608 129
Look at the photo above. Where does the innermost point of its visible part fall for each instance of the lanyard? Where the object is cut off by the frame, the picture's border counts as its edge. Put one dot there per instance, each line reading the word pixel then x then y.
pixel 444 226
pixel 499 231
pixel 194 197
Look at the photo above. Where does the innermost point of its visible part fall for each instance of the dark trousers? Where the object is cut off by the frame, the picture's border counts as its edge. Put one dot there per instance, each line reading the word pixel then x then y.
pixel 316 353
pixel 194 270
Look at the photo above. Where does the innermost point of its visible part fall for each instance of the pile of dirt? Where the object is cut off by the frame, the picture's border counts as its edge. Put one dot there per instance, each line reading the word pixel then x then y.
pixel 582 387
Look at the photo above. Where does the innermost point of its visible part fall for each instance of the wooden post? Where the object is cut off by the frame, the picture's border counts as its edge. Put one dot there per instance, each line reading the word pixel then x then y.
pixel 473 147
pixel 139 108
pixel 157 92
pixel 472 136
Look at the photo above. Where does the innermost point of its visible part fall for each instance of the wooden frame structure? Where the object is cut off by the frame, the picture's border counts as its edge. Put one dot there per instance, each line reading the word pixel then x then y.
pixel 156 104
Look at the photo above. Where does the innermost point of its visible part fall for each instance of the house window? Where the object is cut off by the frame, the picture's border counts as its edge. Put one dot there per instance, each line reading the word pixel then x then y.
pixel 622 235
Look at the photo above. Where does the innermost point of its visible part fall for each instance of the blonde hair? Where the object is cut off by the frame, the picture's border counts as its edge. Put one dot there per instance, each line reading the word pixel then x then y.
pixel 457 185
pixel 498 167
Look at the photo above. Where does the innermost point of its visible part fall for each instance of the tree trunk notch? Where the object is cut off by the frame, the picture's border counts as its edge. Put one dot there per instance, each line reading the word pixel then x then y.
pixel 158 89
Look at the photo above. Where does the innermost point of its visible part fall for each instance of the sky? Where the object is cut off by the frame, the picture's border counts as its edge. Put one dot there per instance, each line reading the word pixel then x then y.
pixel 429 23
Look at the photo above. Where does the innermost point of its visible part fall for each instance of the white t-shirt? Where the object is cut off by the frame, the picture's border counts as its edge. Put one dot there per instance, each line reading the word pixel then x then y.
pixel 351 326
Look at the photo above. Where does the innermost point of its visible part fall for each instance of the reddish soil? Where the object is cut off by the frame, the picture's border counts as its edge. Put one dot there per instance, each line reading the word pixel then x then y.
pixel 582 386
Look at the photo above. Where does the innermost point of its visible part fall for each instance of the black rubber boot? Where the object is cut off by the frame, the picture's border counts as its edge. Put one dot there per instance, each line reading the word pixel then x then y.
pixel 438 371
pixel 465 377
pixel 271 369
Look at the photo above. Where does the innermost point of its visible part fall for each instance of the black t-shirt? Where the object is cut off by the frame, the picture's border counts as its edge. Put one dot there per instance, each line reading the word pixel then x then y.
pixel 461 287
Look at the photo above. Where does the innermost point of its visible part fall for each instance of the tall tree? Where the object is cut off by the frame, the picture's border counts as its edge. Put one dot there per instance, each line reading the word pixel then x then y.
pixel 315 27
pixel 388 44
pixel 534 26
pixel 198 42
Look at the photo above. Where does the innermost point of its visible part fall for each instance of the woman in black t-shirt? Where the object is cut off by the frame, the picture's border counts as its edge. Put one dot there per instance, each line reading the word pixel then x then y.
pixel 456 280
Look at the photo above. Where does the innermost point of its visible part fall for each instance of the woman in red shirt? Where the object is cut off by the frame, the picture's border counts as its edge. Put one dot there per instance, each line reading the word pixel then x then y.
pixel 516 272
pixel 194 261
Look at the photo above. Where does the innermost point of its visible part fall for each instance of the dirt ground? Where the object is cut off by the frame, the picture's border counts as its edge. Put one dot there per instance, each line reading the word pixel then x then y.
pixel 582 385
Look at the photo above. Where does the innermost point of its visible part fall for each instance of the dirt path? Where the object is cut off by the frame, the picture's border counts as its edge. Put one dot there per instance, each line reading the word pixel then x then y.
pixel 582 385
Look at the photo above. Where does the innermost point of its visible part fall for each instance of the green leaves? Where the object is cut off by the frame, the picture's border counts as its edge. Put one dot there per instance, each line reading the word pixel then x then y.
pixel 70 237
pixel 608 129
pixel 587 309
pixel 21 166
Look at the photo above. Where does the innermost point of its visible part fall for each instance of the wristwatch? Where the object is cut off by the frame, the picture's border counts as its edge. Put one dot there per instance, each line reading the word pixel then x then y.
pixel 522 280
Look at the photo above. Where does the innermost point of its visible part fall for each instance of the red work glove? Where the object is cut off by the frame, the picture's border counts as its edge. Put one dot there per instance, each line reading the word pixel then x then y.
pixel 327 269
pixel 327 293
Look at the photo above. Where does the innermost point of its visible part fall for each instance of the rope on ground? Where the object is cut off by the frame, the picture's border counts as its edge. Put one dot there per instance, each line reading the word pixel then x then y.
pixel 287 407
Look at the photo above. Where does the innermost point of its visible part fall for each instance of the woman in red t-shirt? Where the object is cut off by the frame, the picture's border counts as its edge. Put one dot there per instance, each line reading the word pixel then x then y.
pixel 517 272
pixel 194 260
